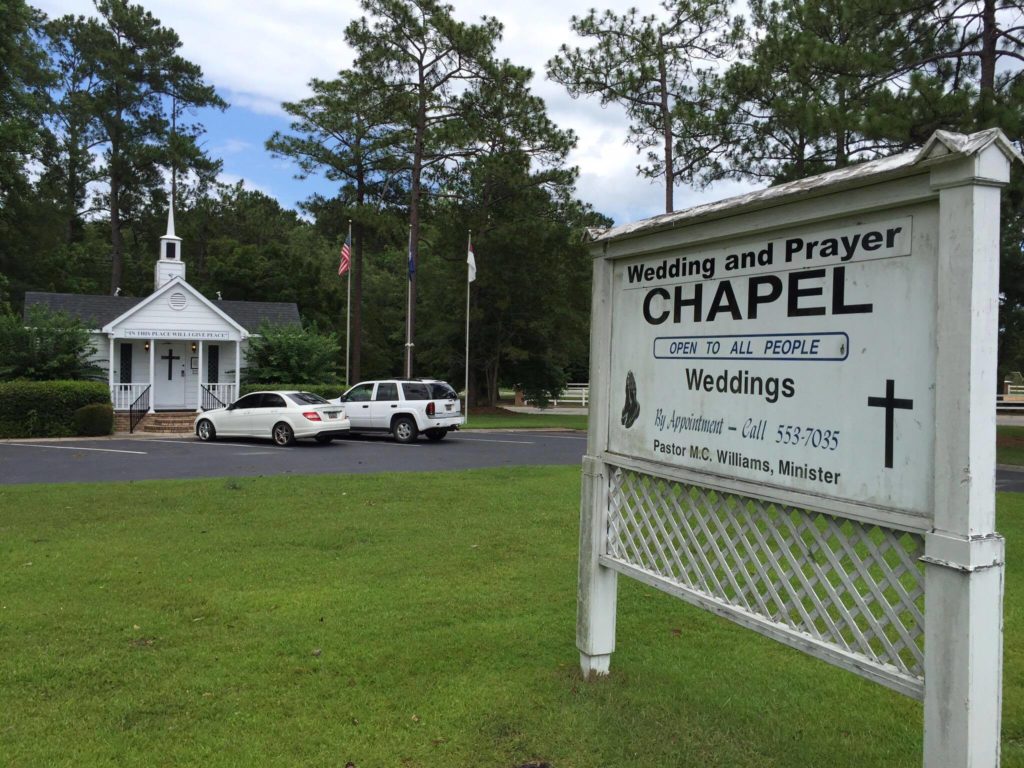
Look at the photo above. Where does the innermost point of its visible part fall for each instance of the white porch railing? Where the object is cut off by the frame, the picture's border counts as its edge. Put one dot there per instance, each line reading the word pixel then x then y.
pixel 226 393
pixel 123 395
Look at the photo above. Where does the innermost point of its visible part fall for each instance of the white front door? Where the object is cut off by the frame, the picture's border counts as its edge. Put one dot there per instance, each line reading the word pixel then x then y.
pixel 169 375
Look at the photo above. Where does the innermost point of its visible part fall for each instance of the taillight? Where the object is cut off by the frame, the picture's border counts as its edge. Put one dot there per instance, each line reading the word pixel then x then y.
pixel 430 409
pixel 312 415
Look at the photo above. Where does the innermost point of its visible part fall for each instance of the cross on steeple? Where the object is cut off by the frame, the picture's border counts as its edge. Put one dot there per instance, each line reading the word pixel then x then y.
pixel 890 402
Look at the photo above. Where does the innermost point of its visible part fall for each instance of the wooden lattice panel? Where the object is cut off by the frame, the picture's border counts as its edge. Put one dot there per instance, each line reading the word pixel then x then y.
pixel 846 585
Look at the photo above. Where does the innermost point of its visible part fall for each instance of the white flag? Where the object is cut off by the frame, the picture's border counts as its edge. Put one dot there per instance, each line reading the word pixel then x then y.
pixel 471 261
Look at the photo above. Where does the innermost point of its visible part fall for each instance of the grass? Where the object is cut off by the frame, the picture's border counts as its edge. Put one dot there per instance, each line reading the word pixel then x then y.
pixel 1010 445
pixel 525 421
pixel 387 620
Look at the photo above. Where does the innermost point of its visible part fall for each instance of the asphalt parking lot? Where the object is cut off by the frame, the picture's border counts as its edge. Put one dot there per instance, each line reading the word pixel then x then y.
pixel 122 459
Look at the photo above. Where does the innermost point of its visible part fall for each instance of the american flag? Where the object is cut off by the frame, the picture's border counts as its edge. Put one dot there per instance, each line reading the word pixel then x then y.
pixel 346 255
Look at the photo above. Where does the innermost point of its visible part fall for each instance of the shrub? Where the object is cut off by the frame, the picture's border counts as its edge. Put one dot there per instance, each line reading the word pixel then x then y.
pixel 540 380
pixel 46 408
pixel 292 353
pixel 94 419
pixel 48 346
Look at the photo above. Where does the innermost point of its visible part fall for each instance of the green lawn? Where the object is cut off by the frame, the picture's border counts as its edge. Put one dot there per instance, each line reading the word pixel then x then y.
pixel 526 421
pixel 395 620
pixel 1010 445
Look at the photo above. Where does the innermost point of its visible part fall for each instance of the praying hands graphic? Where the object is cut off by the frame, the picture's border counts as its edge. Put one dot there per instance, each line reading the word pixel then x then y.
pixel 631 410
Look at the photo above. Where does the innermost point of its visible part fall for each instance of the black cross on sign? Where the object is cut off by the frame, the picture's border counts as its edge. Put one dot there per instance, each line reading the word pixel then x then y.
pixel 170 357
pixel 890 402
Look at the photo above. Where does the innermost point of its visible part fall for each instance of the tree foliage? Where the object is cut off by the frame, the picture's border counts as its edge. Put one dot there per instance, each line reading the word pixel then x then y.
pixel 293 354
pixel 346 131
pixel 120 75
pixel 655 67
pixel 428 64
pixel 45 347
pixel 23 78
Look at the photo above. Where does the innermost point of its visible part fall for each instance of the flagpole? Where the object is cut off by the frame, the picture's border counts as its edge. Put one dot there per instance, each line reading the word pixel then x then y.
pixel 348 319
pixel 469 249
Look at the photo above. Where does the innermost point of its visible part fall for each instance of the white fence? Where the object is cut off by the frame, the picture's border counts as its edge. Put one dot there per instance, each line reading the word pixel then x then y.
pixel 1010 403
pixel 573 394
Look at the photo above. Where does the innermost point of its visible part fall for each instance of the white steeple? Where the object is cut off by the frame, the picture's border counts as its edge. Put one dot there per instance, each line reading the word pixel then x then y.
pixel 169 265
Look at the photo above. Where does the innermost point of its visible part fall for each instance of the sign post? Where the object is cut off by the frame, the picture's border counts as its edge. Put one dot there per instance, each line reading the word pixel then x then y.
pixel 792 427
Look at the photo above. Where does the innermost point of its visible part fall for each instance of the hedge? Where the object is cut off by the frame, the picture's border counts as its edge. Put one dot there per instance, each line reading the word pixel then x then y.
pixel 94 419
pixel 327 391
pixel 46 408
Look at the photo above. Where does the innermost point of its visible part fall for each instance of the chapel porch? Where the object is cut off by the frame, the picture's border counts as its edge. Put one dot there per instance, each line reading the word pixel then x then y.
pixel 154 374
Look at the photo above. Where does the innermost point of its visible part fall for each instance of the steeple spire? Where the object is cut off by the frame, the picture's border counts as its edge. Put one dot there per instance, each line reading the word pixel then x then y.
pixel 169 265
pixel 170 221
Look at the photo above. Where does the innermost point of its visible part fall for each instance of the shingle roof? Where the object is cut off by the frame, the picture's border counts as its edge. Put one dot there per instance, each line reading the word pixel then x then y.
pixel 97 311
pixel 251 314
pixel 93 311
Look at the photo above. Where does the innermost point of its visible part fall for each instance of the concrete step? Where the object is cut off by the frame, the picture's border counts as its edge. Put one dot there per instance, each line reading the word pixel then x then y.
pixel 162 422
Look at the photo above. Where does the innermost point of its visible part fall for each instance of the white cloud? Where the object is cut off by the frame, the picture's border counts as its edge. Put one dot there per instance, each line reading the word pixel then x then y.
pixel 231 147
pixel 259 53
pixel 233 178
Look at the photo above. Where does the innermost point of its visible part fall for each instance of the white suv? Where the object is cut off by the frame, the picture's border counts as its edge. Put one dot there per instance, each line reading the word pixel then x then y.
pixel 403 407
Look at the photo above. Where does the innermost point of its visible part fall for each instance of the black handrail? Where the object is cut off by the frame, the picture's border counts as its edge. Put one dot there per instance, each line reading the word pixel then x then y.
pixel 210 400
pixel 138 410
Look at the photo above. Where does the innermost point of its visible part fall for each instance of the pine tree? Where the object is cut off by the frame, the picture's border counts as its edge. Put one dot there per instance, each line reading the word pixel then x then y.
pixel 654 66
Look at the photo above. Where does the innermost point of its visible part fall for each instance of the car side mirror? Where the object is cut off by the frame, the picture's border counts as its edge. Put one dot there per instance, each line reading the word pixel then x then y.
pixel 231 407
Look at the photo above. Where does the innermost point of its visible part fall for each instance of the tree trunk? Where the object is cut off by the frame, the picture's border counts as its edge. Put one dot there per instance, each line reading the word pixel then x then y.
pixel 357 303
pixel 472 390
pixel 492 384
pixel 116 241
pixel 666 119
pixel 987 80
pixel 414 224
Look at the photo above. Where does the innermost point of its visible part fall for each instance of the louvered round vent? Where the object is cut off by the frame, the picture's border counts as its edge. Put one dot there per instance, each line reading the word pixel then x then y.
pixel 178 300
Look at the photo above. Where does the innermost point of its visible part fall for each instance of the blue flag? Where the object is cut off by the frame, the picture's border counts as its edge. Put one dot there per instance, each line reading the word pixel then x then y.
pixel 412 265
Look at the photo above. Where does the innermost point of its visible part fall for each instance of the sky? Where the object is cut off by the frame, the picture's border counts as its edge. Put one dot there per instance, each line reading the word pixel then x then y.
pixel 260 53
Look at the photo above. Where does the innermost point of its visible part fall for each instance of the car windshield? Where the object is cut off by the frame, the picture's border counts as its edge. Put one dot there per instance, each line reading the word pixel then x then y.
pixel 307 398
pixel 439 390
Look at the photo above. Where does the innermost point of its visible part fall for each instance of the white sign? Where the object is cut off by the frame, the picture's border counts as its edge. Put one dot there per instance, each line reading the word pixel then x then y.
pixel 168 333
pixel 792 426
pixel 804 360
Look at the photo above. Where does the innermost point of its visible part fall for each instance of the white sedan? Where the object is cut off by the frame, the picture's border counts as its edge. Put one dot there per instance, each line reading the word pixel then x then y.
pixel 284 417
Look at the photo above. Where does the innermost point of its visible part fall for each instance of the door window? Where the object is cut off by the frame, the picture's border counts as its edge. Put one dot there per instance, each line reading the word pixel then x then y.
pixel 126 364
pixel 249 401
pixel 213 364
pixel 415 390
pixel 387 391
pixel 272 401
pixel 360 393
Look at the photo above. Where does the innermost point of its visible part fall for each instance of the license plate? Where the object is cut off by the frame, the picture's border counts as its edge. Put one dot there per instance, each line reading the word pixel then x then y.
pixel 448 406
pixel 332 415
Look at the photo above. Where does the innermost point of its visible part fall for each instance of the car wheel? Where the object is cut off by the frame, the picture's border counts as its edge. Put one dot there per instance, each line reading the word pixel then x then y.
pixel 283 434
pixel 436 434
pixel 205 431
pixel 324 439
pixel 404 429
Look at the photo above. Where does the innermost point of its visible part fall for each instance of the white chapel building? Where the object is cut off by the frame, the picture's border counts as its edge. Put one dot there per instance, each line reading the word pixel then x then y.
pixel 174 350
